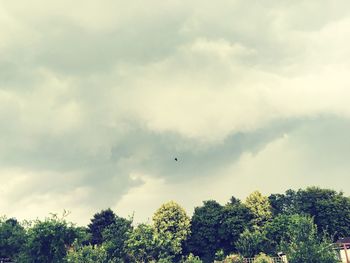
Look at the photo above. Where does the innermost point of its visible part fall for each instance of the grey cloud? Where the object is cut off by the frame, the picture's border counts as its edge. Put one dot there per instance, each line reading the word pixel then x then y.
pixel 114 72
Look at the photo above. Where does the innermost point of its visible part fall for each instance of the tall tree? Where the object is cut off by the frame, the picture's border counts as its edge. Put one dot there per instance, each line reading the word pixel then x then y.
pixel 260 206
pixel 205 239
pixel 99 223
pixel 172 227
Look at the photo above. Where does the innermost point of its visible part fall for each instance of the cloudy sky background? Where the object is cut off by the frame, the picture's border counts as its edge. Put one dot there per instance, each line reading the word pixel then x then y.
pixel 98 97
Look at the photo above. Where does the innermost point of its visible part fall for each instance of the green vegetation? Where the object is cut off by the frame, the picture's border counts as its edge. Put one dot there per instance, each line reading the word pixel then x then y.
pixel 303 224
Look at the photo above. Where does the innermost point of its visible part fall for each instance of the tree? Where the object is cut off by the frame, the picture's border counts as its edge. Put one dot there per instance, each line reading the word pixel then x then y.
pixel 280 228
pixel 12 238
pixel 260 206
pixel 284 203
pixel 99 223
pixel 172 227
pixel 205 238
pixel 141 245
pixel 87 254
pixel 306 246
pixel 252 242
pixel 330 210
pixel 236 217
pixel 49 240
pixel 115 237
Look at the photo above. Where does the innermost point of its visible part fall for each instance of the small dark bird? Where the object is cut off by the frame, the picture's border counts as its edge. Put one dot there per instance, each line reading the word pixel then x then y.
pixel 175 158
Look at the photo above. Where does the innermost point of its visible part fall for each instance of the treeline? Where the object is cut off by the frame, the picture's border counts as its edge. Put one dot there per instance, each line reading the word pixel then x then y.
pixel 303 224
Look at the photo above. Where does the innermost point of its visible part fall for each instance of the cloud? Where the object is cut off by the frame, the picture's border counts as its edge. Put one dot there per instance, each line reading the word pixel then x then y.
pixel 299 158
pixel 92 93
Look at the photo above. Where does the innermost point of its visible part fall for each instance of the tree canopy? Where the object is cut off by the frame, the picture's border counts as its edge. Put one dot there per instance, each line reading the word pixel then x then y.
pixel 301 223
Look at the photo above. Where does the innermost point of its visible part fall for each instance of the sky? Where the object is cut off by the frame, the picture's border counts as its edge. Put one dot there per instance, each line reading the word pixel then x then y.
pixel 97 98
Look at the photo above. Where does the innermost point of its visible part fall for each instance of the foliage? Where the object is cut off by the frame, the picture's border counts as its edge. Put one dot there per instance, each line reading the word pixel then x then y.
pixel 142 245
pixel 99 223
pixel 205 238
pixel 251 243
pixel 219 255
pixel 172 227
pixel 234 258
pixel 262 258
pixel 300 223
pixel 330 210
pixel 115 237
pixel 191 259
pixel 12 238
pixel 260 207
pixel 284 203
pixel 87 254
pixel 236 217
pixel 49 240
pixel 281 228
pixel 306 246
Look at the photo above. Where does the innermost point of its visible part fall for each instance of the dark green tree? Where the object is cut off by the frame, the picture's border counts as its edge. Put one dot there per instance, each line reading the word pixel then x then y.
pixel 330 210
pixel 49 241
pixel 205 238
pixel 284 203
pixel 99 223
pixel 115 237
pixel 236 217
pixel 12 238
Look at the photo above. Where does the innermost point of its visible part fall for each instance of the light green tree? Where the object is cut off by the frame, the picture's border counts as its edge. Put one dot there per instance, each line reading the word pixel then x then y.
pixel 306 246
pixel 87 254
pixel 260 207
pixel 172 227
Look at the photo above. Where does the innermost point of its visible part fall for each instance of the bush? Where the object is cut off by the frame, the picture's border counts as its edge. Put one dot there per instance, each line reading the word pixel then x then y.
pixel 234 258
pixel 191 259
pixel 262 258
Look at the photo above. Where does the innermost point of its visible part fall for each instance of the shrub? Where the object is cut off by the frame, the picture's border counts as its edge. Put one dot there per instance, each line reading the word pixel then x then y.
pixel 192 259
pixel 234 258
pixel 262 258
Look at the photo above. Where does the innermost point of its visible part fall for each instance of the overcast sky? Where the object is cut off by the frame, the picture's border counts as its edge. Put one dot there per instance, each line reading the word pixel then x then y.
pixel 97 98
